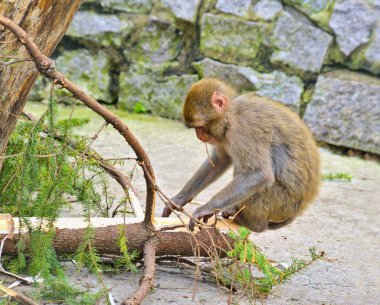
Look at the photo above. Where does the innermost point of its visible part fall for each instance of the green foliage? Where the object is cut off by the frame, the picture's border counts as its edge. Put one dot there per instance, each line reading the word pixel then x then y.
pixel 7 301
pixel 337 177
pixel 251 270
pixel 87 254
pixel 45 163
pixel 126 260
pixel 140 108
pixel 43 259
pixel 54 289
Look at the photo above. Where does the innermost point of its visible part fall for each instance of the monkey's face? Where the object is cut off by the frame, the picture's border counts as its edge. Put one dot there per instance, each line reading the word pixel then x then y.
pixel 205 136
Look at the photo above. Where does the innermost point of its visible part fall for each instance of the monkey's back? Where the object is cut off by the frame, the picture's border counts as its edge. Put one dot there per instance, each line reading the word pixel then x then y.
pixel 277 131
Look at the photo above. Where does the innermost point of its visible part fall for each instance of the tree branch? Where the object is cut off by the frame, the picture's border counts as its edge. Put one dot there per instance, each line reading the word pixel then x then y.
pixel 147 280
pixel 46 66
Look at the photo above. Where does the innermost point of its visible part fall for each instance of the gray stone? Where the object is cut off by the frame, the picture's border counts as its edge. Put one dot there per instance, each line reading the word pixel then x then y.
pixel 99 28
pixel 267 9
pixel 158 43
pixel 168 97
pixel 299 46
pixel 135 89
pixel 130 6
pixel 352 22
pixel 299 16
pixel 345 110
pixel 227 72
pixel 372 53
pixel 147 90
pixel 276 85
pixel 317 10
pixel 229 39
pixel 311 7
pixel 368 57
pixel 234 7
pixel 40 89
pixel 90 71
pixel 186 10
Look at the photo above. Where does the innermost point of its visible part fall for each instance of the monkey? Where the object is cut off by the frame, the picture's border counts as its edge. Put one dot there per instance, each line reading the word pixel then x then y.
pixel 276 166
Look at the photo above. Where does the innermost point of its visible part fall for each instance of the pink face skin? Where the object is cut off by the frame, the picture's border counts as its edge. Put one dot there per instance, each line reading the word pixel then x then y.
pixel 204 136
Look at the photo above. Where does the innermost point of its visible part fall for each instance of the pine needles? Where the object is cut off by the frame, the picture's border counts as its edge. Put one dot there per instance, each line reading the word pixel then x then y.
pixel 40 171
pixel 250 272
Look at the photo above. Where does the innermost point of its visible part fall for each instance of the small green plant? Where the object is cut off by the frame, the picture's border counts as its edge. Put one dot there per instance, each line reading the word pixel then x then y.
pixel 340 176
pixel 250 271
pixel 140 108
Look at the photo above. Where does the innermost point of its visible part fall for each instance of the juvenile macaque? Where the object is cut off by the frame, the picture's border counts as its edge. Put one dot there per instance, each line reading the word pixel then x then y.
pixel 275 159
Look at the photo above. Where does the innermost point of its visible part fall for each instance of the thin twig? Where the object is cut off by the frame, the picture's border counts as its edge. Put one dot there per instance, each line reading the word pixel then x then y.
pixel 8 41
pixel 208 157
pixel 18 296
pixel 9 63
pixel 12 114
pixel 16 276
pixel 13 56
pixel 88 146
pixel 120 159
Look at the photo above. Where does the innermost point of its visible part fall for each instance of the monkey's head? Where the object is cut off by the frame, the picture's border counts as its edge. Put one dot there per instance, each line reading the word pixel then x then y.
pixel 206 107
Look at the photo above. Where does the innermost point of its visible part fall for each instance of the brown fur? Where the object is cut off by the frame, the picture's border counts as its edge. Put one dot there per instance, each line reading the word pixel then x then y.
pixel 195 108
pixel 265 142
pixel 259 129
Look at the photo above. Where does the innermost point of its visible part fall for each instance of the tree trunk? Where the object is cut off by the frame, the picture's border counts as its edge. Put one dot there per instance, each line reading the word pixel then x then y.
pixel 46 21
pixel 69 234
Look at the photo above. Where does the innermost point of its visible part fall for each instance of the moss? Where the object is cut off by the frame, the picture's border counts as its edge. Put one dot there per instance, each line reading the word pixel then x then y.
pixel 149 89
pixel 318 11
pixel 306 97
pixel 159 42
pixel 229 39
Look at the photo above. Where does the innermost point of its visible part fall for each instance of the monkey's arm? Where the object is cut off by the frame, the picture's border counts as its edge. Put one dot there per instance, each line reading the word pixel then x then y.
pixel 205 175
pixel 242 187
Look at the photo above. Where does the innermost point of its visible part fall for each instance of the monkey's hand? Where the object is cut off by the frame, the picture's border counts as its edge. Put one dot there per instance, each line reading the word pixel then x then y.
pixel 179 201
pixel 200 213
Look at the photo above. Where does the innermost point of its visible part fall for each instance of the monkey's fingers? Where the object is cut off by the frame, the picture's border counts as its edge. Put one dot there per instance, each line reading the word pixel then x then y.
pixel 192 224
pixel 207 217
pixel 170 208
pixel 166 212
pixel 225 215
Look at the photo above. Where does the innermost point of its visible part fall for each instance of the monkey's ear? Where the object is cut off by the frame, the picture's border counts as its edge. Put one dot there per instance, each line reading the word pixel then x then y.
pixel 219 101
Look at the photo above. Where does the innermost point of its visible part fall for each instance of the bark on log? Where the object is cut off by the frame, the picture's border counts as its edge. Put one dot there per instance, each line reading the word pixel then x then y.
pixel 46 24
pixel 70 231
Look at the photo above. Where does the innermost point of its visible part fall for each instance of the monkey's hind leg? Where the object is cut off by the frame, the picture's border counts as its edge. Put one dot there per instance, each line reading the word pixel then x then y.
pixel 277 225
pixel 252 222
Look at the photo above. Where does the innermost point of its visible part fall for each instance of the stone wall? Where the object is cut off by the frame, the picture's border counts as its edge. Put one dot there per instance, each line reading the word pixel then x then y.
pixel 319 57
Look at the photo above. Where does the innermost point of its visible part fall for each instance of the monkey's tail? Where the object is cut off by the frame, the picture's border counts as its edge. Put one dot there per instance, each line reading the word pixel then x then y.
pixel 277 225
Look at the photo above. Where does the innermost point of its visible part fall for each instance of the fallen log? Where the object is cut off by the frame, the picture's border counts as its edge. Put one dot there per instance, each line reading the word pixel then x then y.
pixel 69 234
